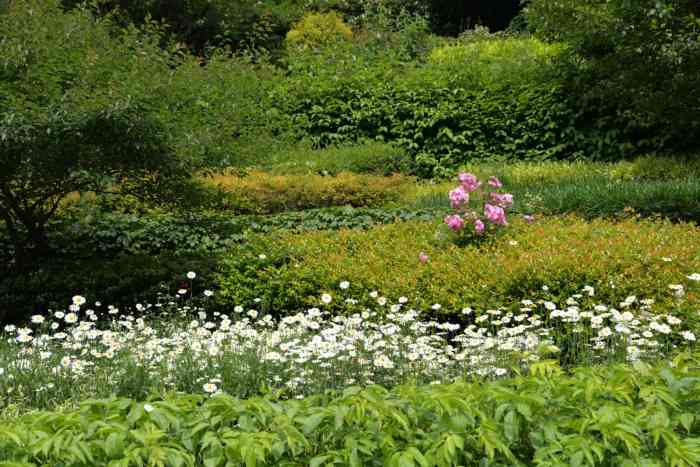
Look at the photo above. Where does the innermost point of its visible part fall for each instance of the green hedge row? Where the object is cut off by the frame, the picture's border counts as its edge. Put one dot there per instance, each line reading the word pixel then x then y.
pixel 446 127
pixel 606 416
pixel 561 255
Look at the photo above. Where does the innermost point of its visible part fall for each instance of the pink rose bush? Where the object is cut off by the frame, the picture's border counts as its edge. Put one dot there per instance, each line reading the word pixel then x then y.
pixel 495 214
pixel 454 222
pixel 487 211
pixel 458 197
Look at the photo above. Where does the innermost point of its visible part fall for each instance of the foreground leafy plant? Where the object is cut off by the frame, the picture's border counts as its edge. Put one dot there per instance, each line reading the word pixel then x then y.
pixel 606 416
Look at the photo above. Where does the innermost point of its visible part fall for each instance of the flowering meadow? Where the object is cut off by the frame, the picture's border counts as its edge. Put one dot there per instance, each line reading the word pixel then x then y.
pixel 488 337
pixel 349 233
pixel 70 355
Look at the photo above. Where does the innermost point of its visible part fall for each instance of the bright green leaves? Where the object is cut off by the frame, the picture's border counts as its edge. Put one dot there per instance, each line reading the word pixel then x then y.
pixel 619 414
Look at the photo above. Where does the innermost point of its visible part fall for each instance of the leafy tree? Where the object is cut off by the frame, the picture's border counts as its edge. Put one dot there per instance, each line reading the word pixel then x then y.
pixel 638 60
pixel 75 115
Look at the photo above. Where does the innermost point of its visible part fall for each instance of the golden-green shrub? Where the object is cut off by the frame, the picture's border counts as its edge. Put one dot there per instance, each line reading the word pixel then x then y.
pixel 496 61
pixel 316 29
pixel 619 259
pixel 265 193
pixel 525 49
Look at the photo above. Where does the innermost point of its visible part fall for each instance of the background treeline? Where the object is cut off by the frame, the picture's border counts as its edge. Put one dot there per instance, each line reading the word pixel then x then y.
pixel 245 24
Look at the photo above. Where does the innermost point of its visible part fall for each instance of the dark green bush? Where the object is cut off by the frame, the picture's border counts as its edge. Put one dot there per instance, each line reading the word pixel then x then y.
pixel 123 258
pixel 75 115
pixel 635 65
pixel 201 24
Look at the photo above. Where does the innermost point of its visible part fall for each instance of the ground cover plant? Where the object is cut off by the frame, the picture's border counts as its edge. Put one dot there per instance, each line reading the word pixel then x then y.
pixel 609 415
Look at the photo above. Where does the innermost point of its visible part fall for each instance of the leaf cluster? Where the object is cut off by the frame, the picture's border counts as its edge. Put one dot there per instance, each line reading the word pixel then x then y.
pixel 606 416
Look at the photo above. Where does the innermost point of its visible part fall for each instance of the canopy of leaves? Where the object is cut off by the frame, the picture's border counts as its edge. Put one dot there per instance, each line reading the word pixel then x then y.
pixel 77 112
pixel 639 59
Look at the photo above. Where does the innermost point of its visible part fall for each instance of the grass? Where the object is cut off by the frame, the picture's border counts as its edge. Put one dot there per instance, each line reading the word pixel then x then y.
pixel 588 189
pixel 371 157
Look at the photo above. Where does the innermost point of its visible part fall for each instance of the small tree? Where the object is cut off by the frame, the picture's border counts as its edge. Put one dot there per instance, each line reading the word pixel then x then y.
pixel 75 115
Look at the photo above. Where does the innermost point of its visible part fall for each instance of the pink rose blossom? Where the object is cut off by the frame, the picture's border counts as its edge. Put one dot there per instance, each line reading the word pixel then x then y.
pixel 479 227
pixel 529 218
pixel 495 214
pixel 503 200
pixel 423 257
pixel 454 222
pixel 469 181
pixel 458 197
pixel 495 183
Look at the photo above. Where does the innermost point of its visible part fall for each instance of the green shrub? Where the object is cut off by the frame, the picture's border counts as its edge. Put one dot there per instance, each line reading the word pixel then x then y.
pixel 219 115
pixel 264 193
pixel 443 128
pixel 633 64
pixel 318 29
pixel 618 259
pixel 496 61
pixel 371 157
pixel 75 116
pixel 609 415
pixel 201 24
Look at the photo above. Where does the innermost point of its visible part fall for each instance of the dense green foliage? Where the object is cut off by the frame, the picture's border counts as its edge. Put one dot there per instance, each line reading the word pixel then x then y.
pixel 169 157
pixel 90 254
pixel 444 128
pixel 618 259
pixel 261 26
pixel 71 118
pixel 611 416
pixel 634 64
pixel 201 24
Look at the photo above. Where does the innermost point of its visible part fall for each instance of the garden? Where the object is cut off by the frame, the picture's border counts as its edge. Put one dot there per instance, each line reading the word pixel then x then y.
pixel 349 233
